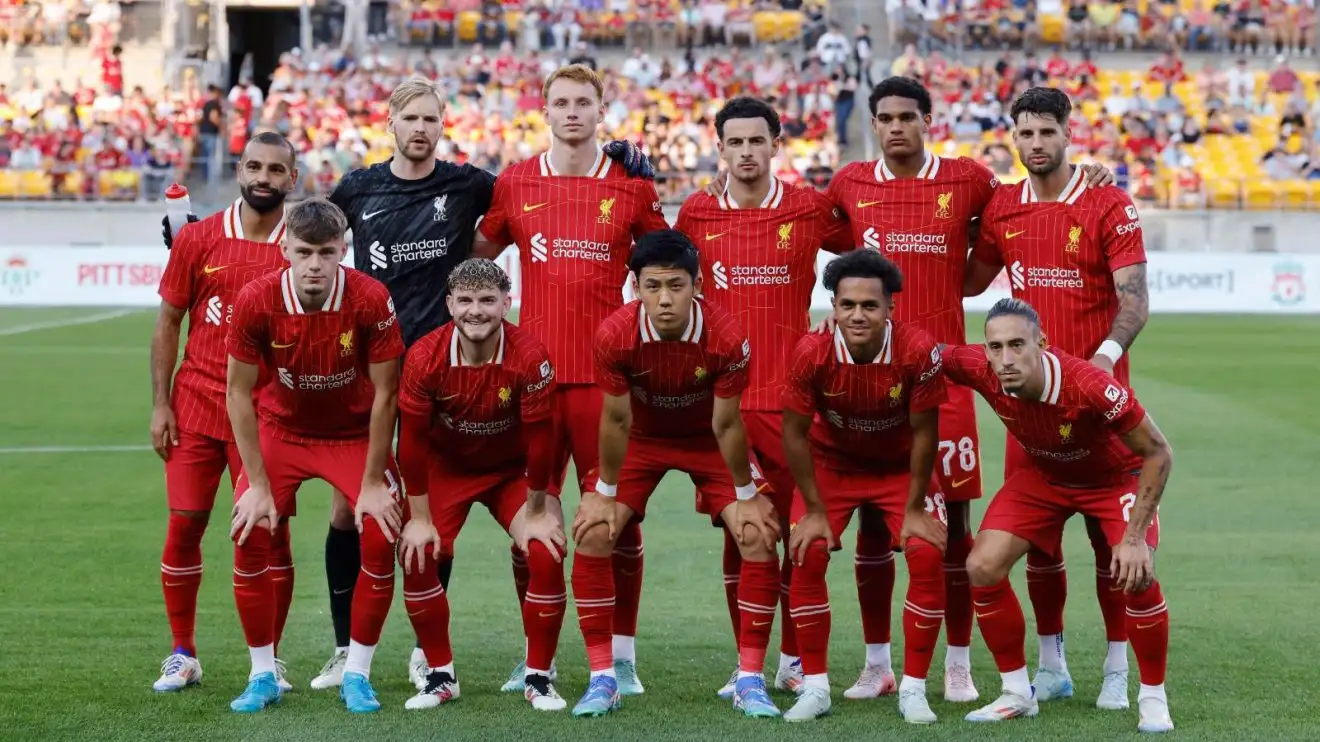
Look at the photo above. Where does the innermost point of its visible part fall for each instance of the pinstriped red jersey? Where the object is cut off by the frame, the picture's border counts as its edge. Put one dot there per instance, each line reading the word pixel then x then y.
pixel 1061 257
pixel 574 236
pixel 760 264
pixel 1071 432
pixel 478 414
pixel 923 224
pixel 320 389
pixel 211 261
pixel 672 383
pixel 864 408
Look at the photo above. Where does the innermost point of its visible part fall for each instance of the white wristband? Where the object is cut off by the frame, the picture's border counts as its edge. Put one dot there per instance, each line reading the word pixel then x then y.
pixel 745 492
pixel 1111 350
pixel 606 490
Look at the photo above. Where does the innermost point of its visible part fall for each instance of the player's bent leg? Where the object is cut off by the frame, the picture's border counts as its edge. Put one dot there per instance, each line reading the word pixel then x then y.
pixel 873 567
pixel 1047 586
pixel 342 562
pixel 629 557
pixel 254 596
pixel 999 615
pixel 593 593
pixel 543 620
pixel 428 611
pixel 281 575
pixel 758 601
pixel 1148 630
pixel 923 614
pixel 809 601
pixel 371 603
pixel 731 562
pixel 1113 607
pixel 180 580
pixel 958 685
pixel 789 675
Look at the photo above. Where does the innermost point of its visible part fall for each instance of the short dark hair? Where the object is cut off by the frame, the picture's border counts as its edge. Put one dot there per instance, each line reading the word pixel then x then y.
pixel 747 107
pixel 1014 307
pixel 475 274
pixel 899 86
pixel 1043 102
pixel 666 248
pixel 315 221
pixel 863 264
pixel 274 139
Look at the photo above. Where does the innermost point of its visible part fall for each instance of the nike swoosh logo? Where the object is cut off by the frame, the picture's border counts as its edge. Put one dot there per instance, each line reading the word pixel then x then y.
pixel 342 592
pixel 632 573
pixel 1003 417
pixel 805 625
pixel 585 618
pixel 1008 235
pixel 417 613
pixel 985 615
pixel 865 204
pixel 367 217
pixel 835 394
pixel 175 584
pixel 382 587
pixel 446 399
pixel 924 627
pixel 209 269
pixel 274 344
pixel 960 482
pixel 548 615
pixel 762 623
pixel 710 236
pixel 1148 625
pixel 532 207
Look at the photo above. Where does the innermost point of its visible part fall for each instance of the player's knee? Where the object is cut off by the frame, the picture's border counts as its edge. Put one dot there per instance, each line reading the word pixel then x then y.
pixel 985 568
pixel 1150 598
pixel 377 551
pixel 755 550
pixel 596 542
pixel 341 513
pixel 192 515
pixel 541 563
pixel 815 562
pixel 630 535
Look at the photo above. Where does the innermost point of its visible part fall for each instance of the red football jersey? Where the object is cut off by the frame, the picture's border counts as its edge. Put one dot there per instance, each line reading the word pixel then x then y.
pixel 211 261
pixel 923 224
pixel 478 413
pixel 574 236
pixel 321 390
pixel 673 383
pixel 864 408
pixel 1061 257
pixel 760 264
pixel 1071 433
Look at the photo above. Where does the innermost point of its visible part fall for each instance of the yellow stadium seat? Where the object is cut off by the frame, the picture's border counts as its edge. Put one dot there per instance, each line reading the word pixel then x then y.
pixel 1051 28
pixel 467 26
pixel 9 184
pixel 1261 194
pixel 1222 192
pixel 1294 194
pixel 34 184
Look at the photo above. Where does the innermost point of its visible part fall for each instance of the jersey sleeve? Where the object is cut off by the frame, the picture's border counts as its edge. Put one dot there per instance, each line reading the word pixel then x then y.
pixel 495 225
pixel 538 380
pixel 1122 237
pixel 385 341
pixel 987 248
pixel 248 330
pixel 178 284
pixel 962 363
pixel 731 378
pixel 414 395
pixel 836 234
pixel 800 381
pixel 611 374
pixel 650 217
pixel 983 184
pixel 684 222
pixel 836 194
pixel 928 389
pixel 1109 397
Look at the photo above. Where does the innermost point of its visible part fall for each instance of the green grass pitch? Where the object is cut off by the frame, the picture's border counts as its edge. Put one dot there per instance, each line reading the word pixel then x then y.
pixel 83 626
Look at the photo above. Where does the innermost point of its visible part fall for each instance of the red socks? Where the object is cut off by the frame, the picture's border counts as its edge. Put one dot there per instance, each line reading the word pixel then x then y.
pixel 521 575
pixel 593 593
pixel 254 593
pixel 788 643
pixel 181 577
pixel 732 569
pixel 1047 586
pixel 543 610
pixel 628 578
pixel 1113 601
pixel 375 586
pixel 758 600
pixel 810 611
pixel 999 614
pixel 923 611
pixel 281 575
pixel 958 593
pixel 873 567
pixel 428 610
pixel 1148 631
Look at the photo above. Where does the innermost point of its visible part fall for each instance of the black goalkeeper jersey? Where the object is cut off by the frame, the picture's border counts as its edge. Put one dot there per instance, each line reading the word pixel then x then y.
pixel 409 234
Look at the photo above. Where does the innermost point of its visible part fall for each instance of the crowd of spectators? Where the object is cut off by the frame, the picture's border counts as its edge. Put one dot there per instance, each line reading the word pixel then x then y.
pixel 94 22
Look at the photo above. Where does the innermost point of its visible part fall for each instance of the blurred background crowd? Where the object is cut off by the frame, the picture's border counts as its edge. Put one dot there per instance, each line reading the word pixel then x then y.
pixel 1191 103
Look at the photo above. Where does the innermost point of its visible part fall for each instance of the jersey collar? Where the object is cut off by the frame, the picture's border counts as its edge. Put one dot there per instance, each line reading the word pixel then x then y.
pixel 234 224
pixel 1053 370
pixel 696 323
pixel 886 354
pixel 334 298
pixel 929 169
pixel 456 351
pixel 1071 192
pixel 772 199
pixel 598 168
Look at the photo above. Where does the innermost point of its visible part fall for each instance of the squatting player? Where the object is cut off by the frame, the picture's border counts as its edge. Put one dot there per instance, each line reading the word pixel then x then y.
pixel 758 241
pixel 329 338
pixel 210 262
pixel 1076 254
pixel 672 368
pixel 1092 449
pixel 574 213
pixel 919 210
pixel 873 389
pixel 477 427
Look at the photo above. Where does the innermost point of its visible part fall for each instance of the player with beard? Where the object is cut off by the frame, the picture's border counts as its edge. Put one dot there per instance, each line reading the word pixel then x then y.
pixel 413 218
pixel 210 262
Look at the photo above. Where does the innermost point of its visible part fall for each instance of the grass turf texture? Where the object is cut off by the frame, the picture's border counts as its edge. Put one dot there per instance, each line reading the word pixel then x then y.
pixel 84 627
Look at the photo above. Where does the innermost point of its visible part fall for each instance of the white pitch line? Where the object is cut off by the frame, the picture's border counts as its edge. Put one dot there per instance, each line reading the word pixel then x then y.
pixel 86 319
pixel 20 450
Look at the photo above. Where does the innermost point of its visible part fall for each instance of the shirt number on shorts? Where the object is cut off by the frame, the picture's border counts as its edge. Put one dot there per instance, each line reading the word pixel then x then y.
pixel 965 450
pixel 935 506
pixel 1127 501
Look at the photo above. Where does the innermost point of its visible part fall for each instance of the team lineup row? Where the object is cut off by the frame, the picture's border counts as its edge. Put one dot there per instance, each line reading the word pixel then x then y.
pixel 326 339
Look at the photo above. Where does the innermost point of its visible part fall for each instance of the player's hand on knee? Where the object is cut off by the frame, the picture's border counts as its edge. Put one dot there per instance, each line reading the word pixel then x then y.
pixel 164 431
pixel 419 540
pixel 920 524
pixel 1132 566
pixel 755 520
pixel 595 510
pixel 810 528
pixel 541 526
pixel 254 507
pixel 375 500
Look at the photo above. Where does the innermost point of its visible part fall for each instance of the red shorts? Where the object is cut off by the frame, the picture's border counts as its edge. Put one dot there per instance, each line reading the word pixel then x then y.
pixel 577 434
pixel 765 439
pixel 885 494
pixel 1015 456
pixel 1033 509
pixel 649 459
pixel 452 495
pixel 192 472
pixel 958 459
pixel 340 465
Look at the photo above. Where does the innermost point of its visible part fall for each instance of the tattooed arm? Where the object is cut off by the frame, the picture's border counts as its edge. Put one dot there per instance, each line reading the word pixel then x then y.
pixel 1133 311
pixel 1132 565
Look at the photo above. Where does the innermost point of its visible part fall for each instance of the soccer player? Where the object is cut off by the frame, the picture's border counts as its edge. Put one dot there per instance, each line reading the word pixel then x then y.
pixel 413 219
pixel 874 390
pixel 758 242
pixel 329 338
pixel 574 213
pixel 1091 449
pixel 210 262
pixel 1075 253
pixel 477 428
pixel 919 210
pixel 673 368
